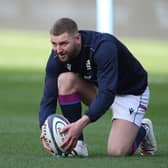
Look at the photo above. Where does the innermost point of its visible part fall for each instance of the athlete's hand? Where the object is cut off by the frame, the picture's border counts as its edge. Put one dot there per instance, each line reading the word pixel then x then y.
pixel 45 144
pixel 73 131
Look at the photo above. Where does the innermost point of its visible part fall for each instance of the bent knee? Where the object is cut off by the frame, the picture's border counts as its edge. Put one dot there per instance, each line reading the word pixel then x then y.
pixel 67 82
pixel 118 151
pixel 66 77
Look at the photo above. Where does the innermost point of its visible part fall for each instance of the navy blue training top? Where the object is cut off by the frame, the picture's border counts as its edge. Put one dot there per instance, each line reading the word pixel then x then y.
pixel 103 60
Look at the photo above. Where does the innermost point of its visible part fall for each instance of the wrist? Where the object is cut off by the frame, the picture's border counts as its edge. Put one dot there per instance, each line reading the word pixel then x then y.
pixel 83 121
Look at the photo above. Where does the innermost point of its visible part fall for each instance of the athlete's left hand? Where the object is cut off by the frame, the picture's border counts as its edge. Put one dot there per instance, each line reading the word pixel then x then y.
pixel 73 131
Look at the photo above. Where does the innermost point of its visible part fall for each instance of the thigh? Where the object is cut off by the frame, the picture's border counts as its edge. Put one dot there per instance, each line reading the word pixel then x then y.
pixel 130 107
pixel 121 137
pixel 70 82
pixel 128 112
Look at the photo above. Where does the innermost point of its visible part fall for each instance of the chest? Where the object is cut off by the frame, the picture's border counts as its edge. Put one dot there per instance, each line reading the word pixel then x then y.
pixel 84 66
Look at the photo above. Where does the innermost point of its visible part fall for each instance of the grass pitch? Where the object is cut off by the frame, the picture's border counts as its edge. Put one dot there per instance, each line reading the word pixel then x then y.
pixel 22 61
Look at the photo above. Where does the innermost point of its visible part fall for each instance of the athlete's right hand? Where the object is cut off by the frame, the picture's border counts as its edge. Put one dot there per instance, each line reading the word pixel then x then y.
pixel 45 144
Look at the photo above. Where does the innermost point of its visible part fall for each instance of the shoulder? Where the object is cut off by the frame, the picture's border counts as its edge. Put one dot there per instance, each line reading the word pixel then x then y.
pixel 94 38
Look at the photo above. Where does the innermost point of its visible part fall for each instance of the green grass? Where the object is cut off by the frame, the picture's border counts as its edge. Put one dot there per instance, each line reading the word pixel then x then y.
pixel 152 54
pixel 22 60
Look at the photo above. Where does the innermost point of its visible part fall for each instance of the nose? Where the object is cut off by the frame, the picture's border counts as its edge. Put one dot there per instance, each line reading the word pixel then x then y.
pixel 58 49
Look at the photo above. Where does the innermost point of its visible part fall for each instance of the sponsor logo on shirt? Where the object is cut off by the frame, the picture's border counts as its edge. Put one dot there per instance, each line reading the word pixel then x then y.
pixel 88 70
pixel 69 67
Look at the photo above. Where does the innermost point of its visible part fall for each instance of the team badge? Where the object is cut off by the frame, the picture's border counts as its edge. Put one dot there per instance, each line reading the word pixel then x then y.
pixel 69 67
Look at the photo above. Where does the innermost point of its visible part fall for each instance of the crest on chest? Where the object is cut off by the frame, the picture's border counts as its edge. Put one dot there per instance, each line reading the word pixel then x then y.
pixel 69 67
pixel 87 70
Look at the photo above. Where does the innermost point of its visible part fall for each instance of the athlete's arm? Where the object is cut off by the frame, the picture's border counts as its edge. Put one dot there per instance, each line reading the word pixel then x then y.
pixel 107 65
pixel 49 100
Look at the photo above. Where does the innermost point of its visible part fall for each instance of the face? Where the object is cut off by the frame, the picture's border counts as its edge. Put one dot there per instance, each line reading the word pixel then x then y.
pixel 66 46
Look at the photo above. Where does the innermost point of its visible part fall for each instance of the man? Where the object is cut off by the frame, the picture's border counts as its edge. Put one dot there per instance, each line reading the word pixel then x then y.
pixel 97 69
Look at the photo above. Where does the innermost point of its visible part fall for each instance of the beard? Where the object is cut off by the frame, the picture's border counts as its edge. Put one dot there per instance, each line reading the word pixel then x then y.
pixel 66 56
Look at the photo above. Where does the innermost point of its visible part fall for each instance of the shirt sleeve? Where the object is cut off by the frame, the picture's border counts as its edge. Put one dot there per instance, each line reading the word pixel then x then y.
pixel 107 75
pixel 49 99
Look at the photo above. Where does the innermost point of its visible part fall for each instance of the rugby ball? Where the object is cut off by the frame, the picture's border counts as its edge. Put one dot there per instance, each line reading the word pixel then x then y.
pixel 51 131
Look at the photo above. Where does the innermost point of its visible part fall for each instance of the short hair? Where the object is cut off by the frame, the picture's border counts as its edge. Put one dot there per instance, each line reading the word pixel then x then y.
pixel 64 25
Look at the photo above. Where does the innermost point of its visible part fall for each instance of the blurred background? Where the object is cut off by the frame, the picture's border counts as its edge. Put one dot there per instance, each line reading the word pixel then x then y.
pixel 24 49
pixel 142 25
pixel 132 18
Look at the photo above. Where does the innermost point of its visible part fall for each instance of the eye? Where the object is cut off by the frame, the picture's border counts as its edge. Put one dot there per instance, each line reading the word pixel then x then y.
pixel 64 43
pixel 53 43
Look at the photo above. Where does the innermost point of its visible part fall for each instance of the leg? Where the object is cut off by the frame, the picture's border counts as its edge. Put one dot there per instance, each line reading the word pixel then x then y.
pixel 72 89
pixel 126 132
pixel 121 138
pixel 69 83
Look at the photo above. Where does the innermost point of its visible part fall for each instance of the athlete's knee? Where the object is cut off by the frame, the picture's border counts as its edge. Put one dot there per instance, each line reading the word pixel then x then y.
pixel 117 151
pixel 67 82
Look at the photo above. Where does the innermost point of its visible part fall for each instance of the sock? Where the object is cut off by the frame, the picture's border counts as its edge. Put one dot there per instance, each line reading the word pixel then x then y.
pixel 71 108
pixel 141 134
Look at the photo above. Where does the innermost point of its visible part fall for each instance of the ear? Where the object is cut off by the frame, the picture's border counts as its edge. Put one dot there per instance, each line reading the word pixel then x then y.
pixel 78 37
